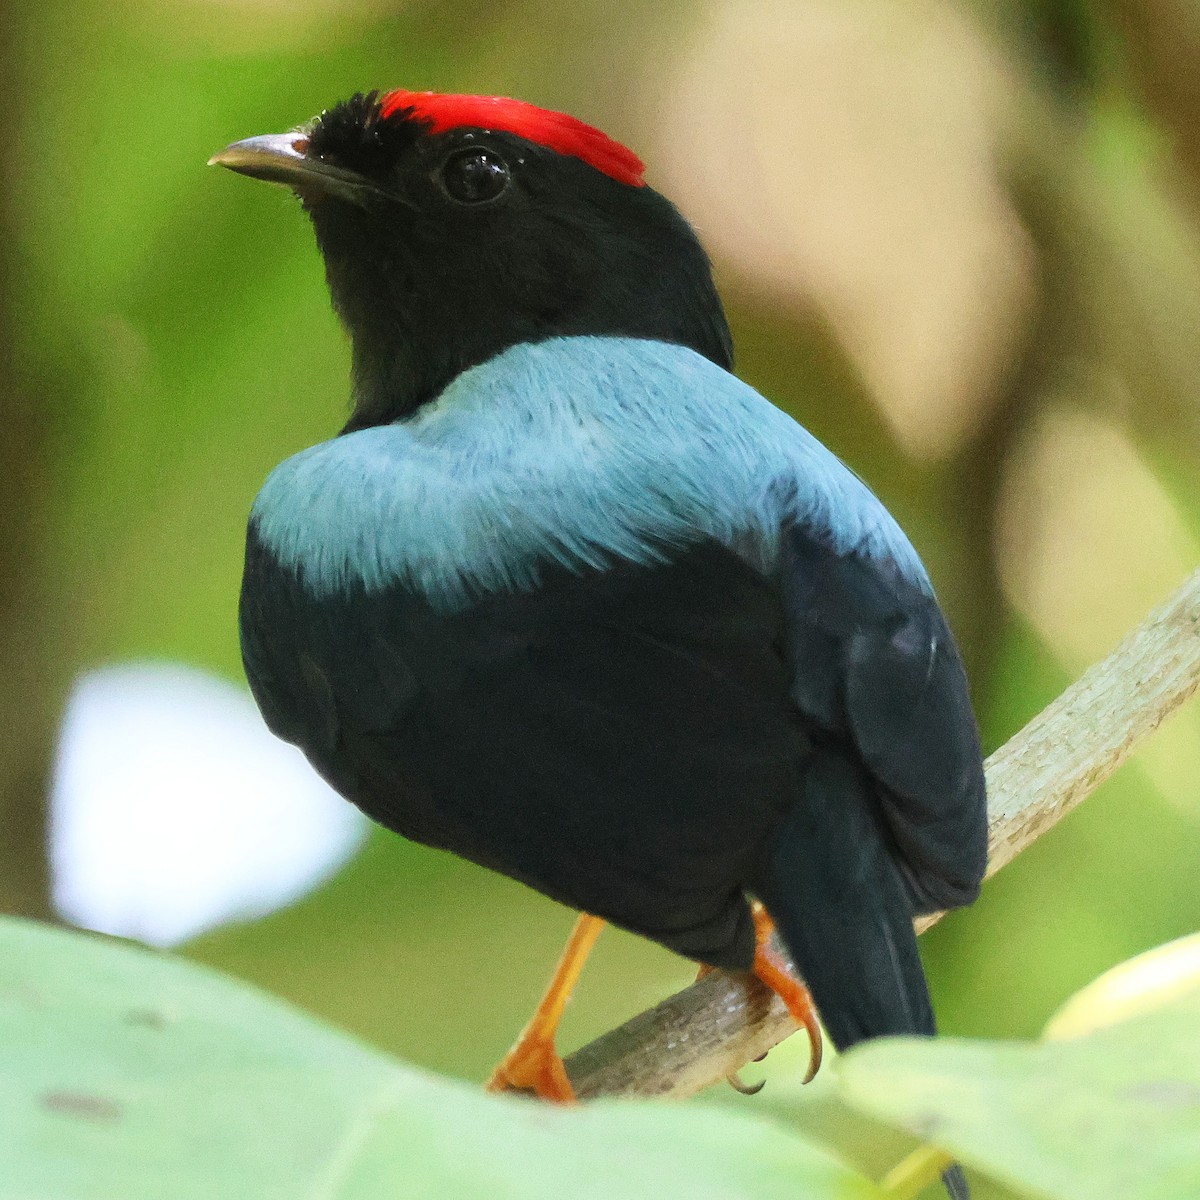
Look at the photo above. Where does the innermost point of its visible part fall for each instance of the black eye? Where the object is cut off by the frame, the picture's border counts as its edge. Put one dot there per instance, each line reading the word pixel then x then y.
pixel 474 175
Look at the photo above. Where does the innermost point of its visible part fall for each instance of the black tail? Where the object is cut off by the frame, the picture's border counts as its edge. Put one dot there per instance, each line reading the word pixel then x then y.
pixel 833 886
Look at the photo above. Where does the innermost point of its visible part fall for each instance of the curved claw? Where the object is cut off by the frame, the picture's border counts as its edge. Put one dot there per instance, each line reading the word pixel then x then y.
pixel 773 970
pixel 734 1079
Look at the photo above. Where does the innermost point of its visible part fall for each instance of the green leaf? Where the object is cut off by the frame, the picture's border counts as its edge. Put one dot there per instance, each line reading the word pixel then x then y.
pixel 1141 984
pixel 128 1075
pixel 1113 1115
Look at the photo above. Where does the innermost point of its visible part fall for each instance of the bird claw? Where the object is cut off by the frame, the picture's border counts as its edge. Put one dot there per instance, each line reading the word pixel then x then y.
pixel 774 970
pixel 734 1079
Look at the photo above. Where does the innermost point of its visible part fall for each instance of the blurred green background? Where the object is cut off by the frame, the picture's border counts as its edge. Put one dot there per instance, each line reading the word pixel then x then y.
pixel 959 241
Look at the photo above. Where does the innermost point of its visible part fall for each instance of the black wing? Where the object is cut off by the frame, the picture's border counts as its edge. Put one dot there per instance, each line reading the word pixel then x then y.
pixel 891 817
pixel 875 665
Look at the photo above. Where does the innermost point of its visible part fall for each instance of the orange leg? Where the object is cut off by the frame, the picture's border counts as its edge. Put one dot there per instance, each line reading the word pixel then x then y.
pixel 772 969
pixel 533 1063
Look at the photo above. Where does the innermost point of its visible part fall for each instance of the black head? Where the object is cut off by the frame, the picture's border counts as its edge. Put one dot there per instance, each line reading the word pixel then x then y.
pixel 453 227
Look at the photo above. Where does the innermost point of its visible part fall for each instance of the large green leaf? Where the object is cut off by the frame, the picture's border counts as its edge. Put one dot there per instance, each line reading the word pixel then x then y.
pixel 1149 981
pixel 127 1075
pixel 1113 1115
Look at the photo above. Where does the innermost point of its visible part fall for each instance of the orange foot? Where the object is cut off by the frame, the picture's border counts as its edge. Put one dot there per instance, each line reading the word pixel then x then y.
pixel 533 1064
pixel 772 969
pixel 776 972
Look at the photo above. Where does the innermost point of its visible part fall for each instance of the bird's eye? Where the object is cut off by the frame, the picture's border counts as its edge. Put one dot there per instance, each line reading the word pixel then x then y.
pixel 474 175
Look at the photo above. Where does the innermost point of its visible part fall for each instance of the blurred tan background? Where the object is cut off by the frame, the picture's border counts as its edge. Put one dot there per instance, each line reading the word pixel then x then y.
pixel 959 241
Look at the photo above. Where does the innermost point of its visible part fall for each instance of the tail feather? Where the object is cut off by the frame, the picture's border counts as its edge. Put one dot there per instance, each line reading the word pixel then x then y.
pixel 832 884
pixel 837 895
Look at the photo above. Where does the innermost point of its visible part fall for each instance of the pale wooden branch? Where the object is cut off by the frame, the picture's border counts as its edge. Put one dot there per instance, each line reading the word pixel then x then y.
pixel 698 1036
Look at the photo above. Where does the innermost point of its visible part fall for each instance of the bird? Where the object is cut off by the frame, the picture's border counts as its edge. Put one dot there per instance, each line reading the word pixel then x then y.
pixel 567 598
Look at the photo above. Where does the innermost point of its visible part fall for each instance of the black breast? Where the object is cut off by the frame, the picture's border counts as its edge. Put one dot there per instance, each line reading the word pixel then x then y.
pixel 622 740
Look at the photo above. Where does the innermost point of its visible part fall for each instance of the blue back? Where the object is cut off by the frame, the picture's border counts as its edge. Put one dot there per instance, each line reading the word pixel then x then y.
pixel 575 451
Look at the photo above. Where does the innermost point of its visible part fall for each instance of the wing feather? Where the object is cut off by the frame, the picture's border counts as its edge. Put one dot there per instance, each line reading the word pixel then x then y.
pixel 874 664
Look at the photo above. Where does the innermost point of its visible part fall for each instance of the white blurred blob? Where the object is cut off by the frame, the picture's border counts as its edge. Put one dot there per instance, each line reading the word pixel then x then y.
pixel 174 810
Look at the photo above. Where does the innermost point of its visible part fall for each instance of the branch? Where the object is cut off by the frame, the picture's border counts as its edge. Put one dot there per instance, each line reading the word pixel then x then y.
pixel 698 1036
